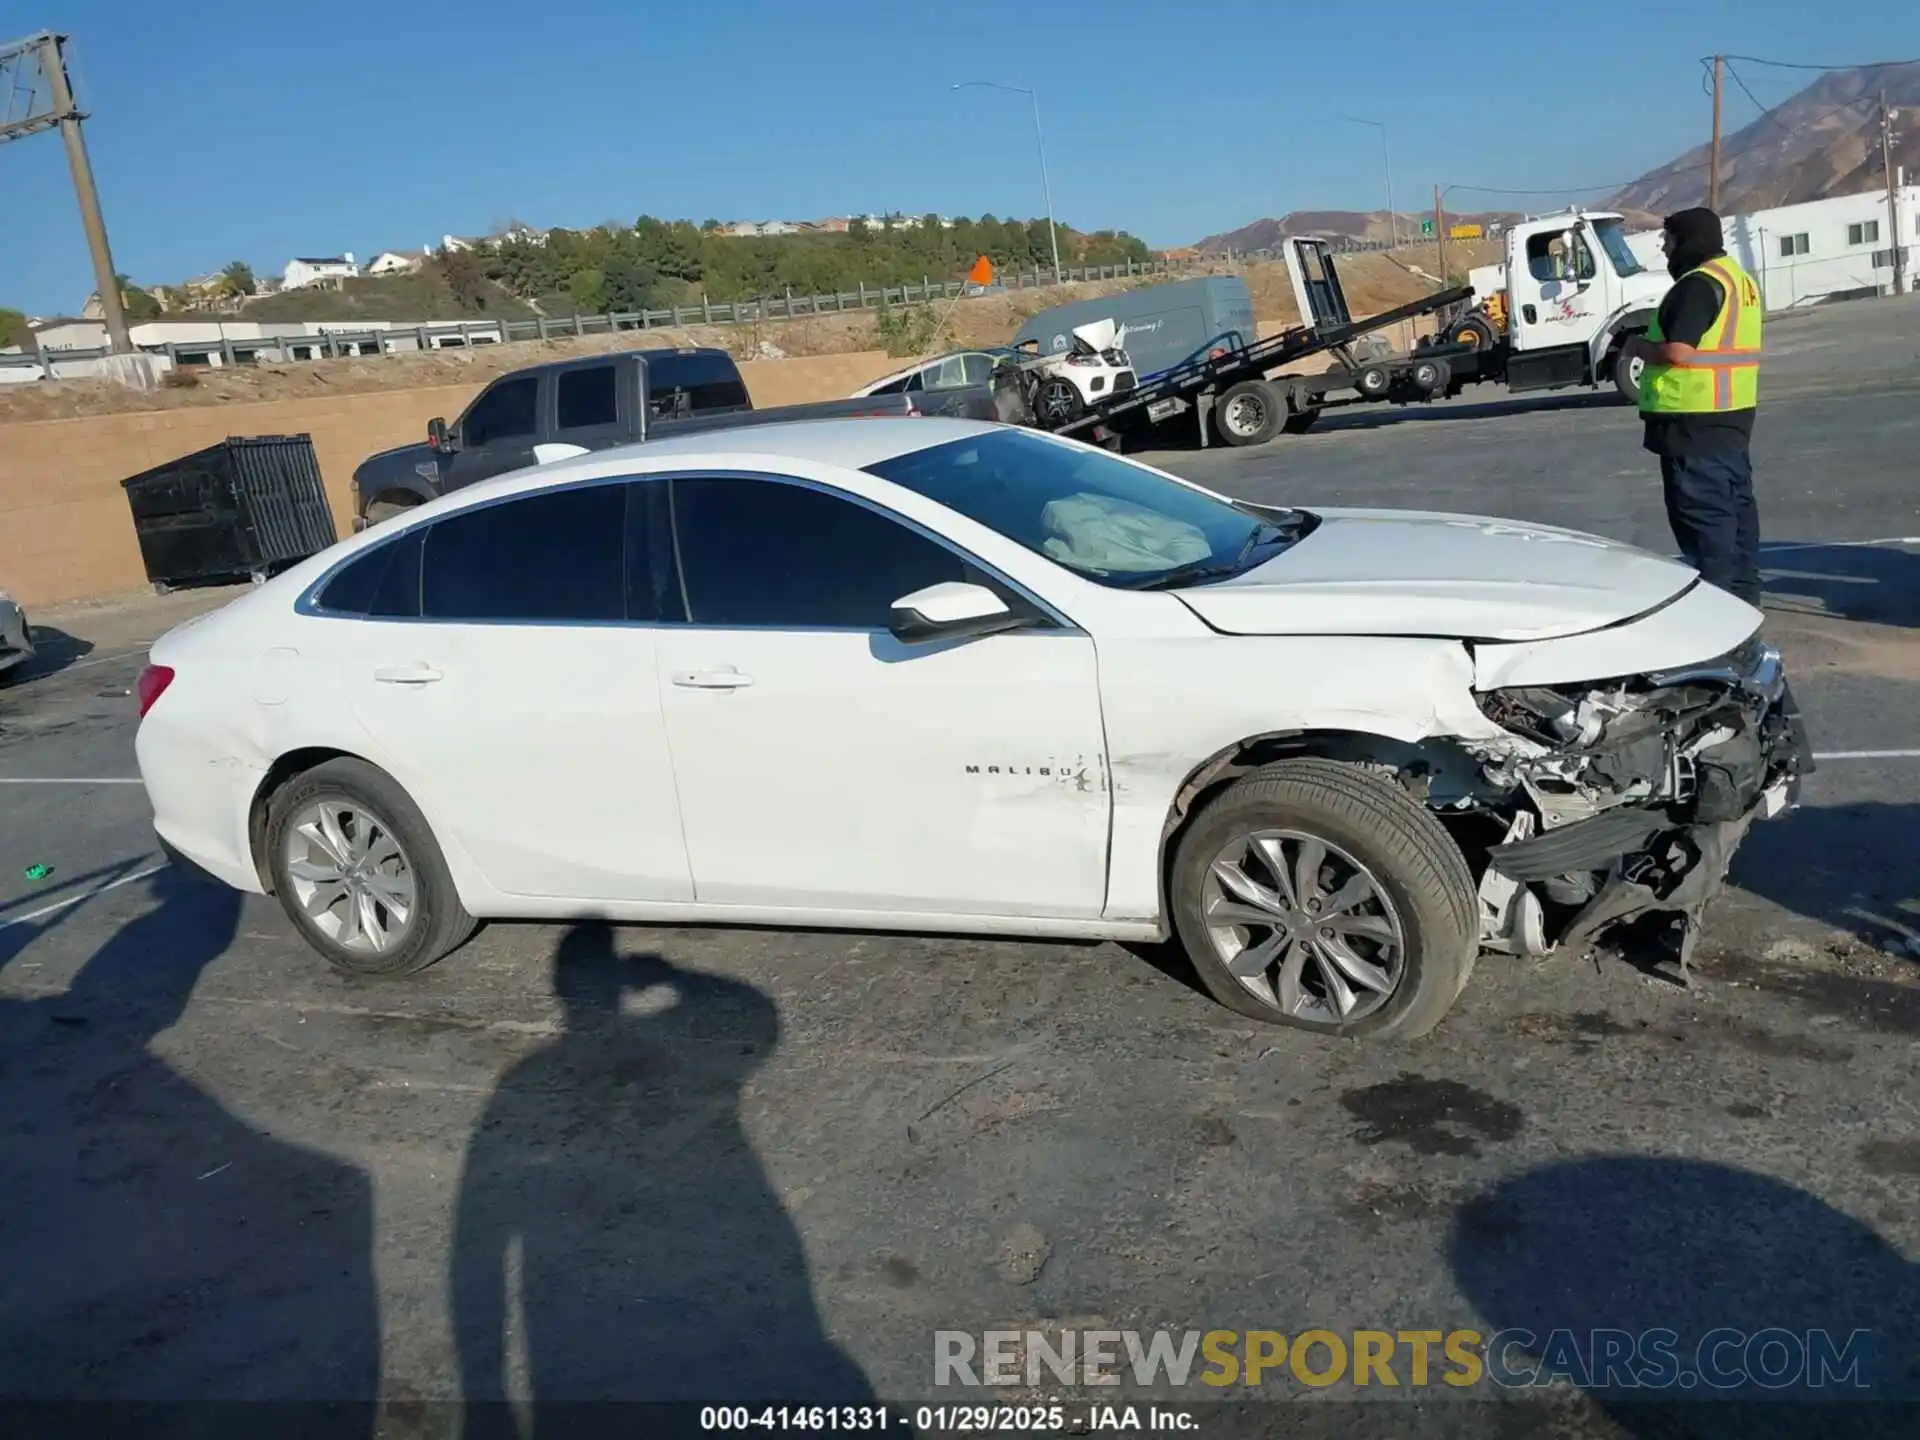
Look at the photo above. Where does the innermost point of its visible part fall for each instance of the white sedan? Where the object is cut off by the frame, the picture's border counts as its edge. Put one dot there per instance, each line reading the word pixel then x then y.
pixel 938 675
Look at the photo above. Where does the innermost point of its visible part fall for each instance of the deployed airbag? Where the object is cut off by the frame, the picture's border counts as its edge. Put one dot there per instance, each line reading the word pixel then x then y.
pixel 1098 532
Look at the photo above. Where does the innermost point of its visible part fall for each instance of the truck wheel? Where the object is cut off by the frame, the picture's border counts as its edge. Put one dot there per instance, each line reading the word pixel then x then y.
pixel 1627 370
pixel 1315 894
pixel 1249 413
pixel 1373 381
pixel 1430 377
pixel 1057 403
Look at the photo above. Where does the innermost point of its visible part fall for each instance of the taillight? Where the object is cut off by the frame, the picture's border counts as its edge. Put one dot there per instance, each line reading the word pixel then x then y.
pixel 152 685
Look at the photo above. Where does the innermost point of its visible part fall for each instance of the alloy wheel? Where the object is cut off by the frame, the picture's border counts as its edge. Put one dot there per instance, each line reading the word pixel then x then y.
pixel 351 876
pixel 1304 926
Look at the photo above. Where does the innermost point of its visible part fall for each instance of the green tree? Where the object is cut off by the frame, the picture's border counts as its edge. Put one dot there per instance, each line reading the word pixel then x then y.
pixel 588 289
pixel 628 282
pixel 238 279
pixel 463 273
pixel 14 329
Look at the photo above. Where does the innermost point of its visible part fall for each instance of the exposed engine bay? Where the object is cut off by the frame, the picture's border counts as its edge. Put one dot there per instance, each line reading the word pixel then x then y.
pixel 1629 797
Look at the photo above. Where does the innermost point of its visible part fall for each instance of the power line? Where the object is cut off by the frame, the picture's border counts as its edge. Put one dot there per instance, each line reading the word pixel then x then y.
pixel 1796 65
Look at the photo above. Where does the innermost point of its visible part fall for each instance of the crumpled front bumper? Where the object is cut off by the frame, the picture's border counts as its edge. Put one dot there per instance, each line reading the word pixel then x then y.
pixel 1673 859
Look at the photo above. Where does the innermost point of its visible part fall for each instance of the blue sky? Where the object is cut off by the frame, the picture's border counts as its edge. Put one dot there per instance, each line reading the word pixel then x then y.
pixel 262 130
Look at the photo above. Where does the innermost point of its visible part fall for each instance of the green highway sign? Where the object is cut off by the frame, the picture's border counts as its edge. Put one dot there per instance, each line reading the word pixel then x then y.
pixel 1426 227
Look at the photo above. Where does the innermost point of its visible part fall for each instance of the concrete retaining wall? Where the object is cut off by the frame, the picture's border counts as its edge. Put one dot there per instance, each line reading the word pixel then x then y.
pixel 65 530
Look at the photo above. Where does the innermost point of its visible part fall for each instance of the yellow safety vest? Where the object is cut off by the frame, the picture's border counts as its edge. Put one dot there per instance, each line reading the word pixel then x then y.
pixel 1724 373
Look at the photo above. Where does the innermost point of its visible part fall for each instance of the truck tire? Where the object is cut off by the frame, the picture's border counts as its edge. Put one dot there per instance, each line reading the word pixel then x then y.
pixel 1255 880
pixel 1627 370
pixel 1249 413
pixel 1430 377
pixel 1373 381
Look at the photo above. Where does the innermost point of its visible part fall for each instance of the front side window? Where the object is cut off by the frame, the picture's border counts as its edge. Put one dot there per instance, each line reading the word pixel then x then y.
pixel 766 553
pixel 555 555
pixel 506 412
pixel 1104 517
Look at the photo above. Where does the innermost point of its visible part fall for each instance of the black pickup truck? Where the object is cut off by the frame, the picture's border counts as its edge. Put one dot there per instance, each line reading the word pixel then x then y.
pixel 569 407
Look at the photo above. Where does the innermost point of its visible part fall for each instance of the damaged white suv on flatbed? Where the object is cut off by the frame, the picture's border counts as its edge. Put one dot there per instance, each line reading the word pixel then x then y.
pixel 939 675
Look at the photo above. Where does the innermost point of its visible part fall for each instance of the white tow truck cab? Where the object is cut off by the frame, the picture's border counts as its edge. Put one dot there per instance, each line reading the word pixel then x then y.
pixel 1558 310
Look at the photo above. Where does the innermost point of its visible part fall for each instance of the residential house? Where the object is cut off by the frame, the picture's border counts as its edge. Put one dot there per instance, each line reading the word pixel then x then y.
pixel 396 262
pixel 331 270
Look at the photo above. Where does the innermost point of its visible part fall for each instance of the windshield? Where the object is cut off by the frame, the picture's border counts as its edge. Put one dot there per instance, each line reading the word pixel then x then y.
pixel 1613 239
pixel 1113 521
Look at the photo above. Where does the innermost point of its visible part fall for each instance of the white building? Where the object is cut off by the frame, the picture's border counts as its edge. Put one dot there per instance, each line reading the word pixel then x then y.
pixel 1817 250
pixel 303 272
pixel 396 262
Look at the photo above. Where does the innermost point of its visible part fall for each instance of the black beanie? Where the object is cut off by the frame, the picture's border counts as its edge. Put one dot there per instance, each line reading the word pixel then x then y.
pixel 1696 238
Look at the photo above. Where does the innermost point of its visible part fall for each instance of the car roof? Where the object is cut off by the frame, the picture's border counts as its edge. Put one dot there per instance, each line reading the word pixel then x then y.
pixel 852 444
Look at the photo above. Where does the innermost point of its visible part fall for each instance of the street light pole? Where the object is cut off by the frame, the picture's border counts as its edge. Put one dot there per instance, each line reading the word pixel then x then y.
pixel 1393 219
pixel 1046 184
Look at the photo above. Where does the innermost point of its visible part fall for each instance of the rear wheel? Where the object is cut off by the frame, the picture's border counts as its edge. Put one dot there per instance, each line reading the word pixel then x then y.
pixel 357 870
pixel 1248 413
pixel 1315 894
pixel 1628 369
pixel 1373 381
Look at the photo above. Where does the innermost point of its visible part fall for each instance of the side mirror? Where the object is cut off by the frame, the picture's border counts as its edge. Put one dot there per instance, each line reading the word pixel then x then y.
pixel 437 434
pixel 952 610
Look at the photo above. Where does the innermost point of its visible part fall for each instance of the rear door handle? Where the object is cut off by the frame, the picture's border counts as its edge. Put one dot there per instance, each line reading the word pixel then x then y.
pixel 727 679
pixel 417 673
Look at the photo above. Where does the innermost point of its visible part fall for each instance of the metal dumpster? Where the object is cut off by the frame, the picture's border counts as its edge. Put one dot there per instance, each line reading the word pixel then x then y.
pixel 243 509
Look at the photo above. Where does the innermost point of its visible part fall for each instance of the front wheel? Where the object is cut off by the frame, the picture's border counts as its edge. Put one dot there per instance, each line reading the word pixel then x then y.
pixel 1315 894
pixel 1628 369
pixel 1057 403
pixel 357 870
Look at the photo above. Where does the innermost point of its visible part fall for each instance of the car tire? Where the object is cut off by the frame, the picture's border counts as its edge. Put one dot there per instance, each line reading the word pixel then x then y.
pixel 1248 413
pixel 1056 402
pixel 366 805
pixel 1414 926
pixel 1627 370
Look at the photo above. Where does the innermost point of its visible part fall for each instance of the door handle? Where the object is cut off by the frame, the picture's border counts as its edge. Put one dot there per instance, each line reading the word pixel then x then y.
pixel 727 679
pixel 417 673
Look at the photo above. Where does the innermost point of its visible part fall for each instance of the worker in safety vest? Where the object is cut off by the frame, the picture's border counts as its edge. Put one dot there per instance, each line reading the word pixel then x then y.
pixel 1697 397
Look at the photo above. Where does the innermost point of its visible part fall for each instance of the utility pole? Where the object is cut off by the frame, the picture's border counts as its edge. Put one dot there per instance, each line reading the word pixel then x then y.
pixel 1439 235
pixel 1897 240
pixel 19 61
pixel 1713 165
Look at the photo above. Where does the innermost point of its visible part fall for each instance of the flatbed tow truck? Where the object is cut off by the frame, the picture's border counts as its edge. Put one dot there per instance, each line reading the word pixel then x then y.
pixel 1568 298
pixel 1228 390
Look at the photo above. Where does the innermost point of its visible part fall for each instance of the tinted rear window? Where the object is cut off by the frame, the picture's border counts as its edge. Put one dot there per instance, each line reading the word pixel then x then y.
pixel 712 381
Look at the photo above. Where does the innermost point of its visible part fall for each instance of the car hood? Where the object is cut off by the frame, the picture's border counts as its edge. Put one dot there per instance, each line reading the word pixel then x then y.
pixel 1467 577
pixel 400 460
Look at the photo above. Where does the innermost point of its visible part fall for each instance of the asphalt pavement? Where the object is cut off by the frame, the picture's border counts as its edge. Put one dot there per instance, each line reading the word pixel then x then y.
pixel 584 1163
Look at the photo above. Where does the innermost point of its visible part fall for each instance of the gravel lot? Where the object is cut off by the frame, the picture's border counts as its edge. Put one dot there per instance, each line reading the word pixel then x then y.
pixel 774 1164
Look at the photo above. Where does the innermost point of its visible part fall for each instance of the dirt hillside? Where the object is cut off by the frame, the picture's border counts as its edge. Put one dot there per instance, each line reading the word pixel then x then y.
pixel 1374 282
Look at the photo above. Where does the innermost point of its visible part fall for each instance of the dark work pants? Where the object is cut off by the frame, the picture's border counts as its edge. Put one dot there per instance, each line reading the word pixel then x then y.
pixel 1715 520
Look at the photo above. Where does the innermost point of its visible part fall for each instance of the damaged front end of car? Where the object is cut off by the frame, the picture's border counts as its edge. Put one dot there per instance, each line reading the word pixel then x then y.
pixel 1627 798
